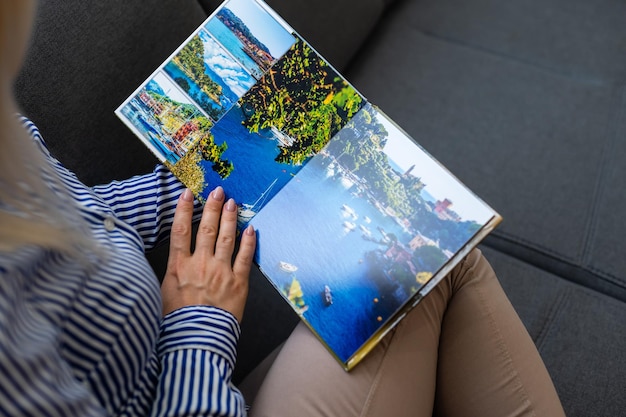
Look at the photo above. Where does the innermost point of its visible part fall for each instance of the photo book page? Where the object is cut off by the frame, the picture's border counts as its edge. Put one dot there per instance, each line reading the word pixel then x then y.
pixel 356 222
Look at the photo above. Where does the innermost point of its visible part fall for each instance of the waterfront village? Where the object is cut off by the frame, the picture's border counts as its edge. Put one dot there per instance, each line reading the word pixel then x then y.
pixel 442 209
pixel 395 262
pixel 251 45
pixel 178 133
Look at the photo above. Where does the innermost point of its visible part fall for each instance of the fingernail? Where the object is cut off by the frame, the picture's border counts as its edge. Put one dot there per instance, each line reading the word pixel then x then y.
pixel 187 195
pixel 230 205
pixel 249 230
pixel 218 193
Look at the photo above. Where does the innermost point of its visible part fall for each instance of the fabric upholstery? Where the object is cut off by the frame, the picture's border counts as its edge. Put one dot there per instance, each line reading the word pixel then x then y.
pixel 580 335
pixel 524 102
pixel 86 58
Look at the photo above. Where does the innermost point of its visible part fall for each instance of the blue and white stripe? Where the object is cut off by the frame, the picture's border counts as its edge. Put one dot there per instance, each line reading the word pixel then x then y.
pixel 194 360
pixel 79 339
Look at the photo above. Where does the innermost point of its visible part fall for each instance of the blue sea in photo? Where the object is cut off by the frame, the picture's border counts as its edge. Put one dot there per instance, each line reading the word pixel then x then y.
pixel 252 154
pixel 233 45
pixel 311 235
pixel 262 25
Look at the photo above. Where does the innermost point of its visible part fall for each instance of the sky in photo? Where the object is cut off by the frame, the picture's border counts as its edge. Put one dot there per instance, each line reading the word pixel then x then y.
pixel 264 27
pixel 170 89
pixel 220 62
pixel 439 182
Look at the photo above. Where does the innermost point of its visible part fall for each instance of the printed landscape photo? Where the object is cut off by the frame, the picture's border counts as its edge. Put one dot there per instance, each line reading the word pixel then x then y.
pixel 287 117
pixel 250 34
pixel 168 121
pixel 209 75
pixel 375 232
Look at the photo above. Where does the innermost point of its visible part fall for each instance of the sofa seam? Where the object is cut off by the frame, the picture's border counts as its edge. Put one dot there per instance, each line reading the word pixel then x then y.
pixel 613 279
pixel 600 187
pixel 588 80
pixel 550 319
pixel 528 243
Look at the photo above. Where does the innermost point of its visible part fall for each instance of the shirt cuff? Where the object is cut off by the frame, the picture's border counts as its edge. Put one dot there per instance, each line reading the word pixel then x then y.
pixel 200 327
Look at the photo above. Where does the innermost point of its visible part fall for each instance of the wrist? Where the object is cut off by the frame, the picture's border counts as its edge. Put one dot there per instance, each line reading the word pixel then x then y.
pixel 200 327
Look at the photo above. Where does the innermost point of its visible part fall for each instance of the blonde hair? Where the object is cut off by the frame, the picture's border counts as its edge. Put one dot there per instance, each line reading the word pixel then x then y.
pixel 35 207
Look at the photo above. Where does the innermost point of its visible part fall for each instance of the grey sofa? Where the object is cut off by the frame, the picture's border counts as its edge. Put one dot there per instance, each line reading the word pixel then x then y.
pixel 525 101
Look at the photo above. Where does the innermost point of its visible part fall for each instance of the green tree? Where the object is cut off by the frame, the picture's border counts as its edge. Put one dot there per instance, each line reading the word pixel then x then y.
pixel 303 97
pixel 428 258
pixel 190 60
pixel 212 152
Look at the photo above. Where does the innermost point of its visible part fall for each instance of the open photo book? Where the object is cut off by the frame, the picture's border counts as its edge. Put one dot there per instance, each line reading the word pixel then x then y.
pixel 356 222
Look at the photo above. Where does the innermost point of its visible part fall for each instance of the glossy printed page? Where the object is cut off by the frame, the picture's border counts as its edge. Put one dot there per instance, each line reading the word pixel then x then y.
pixel 363 227
pixel 243 103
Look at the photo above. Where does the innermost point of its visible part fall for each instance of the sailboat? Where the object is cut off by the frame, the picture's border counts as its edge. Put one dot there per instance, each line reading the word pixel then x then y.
pixel 248 211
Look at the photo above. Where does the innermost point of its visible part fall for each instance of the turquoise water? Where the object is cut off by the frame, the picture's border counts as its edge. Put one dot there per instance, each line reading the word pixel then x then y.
pixel 232 44
pixel 214 109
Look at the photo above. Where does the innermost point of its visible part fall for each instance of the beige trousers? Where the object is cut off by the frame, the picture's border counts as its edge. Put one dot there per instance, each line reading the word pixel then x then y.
pixel 462 351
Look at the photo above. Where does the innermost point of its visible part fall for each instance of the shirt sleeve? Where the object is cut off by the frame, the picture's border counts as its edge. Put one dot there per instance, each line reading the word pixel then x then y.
pixel 147 203
pixel 36 380
pixel 197 350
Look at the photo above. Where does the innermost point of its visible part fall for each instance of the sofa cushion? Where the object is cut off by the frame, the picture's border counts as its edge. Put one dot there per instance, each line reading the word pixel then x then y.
pixel 581 43
pixel 86 58
pixel 335 28
pixel 577 38
pixel 539 145
pixel 579 333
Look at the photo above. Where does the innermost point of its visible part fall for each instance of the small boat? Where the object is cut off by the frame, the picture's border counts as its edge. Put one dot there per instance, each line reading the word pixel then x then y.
pixel 330 170
pixel 248 211
pixel 365 230
pixel 287 267
pixel 349 211
pixel 349 226
pixel 327 295
pixel 282 138
pixel 346 182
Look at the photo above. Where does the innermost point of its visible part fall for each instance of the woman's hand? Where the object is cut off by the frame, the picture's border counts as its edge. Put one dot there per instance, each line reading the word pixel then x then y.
pixel 208 276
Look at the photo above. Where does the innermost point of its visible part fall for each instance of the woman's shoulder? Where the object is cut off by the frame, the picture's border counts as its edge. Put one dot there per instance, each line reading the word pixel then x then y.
pixel 33 132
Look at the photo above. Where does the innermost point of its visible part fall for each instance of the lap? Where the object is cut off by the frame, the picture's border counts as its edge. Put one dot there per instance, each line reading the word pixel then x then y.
pixel 461 345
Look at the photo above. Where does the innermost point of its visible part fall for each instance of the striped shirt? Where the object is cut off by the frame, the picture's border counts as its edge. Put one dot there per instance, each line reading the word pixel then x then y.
pixel 79 339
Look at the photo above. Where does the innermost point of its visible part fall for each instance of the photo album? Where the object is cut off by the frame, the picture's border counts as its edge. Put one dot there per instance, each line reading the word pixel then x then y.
pixel 356 222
